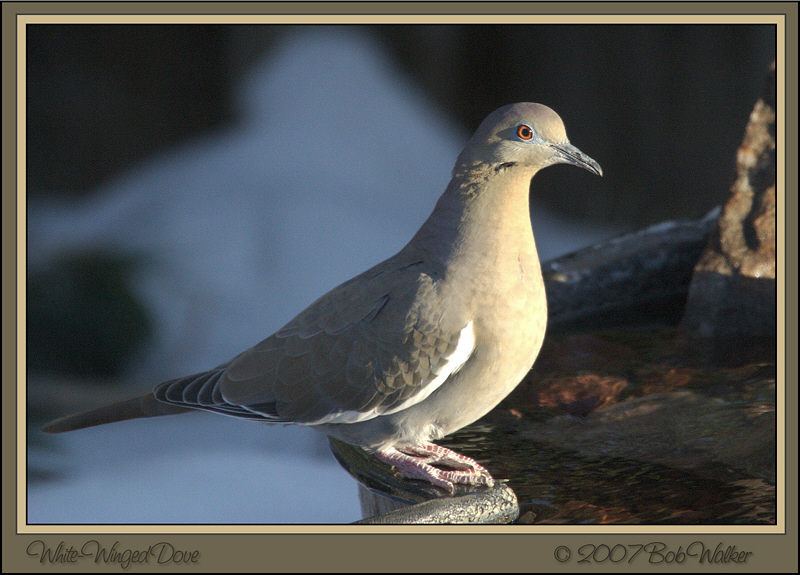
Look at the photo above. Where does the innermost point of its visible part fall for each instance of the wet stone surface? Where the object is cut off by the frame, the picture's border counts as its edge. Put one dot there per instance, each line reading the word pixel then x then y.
pixel 637 427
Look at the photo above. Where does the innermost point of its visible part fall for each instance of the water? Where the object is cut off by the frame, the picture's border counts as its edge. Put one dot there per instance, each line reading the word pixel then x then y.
pixel 689 439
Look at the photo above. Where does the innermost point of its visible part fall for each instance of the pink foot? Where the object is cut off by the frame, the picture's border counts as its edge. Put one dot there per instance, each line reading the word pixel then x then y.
pixel 417 462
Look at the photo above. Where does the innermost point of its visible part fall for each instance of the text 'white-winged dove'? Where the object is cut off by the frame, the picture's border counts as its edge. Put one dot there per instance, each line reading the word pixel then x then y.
pixel 418 346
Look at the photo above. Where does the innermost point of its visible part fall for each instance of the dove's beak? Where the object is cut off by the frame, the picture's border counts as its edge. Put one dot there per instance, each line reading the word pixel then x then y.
pixel 569 154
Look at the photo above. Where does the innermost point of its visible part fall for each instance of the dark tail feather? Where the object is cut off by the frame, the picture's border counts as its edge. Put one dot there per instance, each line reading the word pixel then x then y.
pixel 142 406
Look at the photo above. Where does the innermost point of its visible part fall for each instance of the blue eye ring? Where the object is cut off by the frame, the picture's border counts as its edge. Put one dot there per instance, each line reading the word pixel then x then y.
pixel 524 132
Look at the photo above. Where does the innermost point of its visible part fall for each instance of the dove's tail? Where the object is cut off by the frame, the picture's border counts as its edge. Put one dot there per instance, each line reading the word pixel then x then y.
pixel 143 406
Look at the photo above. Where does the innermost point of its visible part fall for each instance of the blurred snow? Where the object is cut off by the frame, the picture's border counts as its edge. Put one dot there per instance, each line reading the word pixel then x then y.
pixel 195 468
pixel 335 164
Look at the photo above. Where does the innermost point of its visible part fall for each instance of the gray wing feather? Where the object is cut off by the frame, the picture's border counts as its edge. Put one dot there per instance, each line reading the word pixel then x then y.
pixel 364 347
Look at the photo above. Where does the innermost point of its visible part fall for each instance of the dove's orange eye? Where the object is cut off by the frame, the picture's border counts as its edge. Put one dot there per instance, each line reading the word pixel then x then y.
pixel 524 132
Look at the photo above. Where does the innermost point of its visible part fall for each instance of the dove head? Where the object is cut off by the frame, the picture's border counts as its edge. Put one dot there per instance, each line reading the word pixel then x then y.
pixel 527 135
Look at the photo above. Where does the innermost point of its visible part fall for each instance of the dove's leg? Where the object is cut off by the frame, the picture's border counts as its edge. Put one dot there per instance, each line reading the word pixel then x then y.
pixel 417 462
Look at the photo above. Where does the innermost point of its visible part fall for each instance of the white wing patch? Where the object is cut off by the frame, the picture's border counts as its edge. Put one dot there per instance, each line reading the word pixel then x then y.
pixel 452 363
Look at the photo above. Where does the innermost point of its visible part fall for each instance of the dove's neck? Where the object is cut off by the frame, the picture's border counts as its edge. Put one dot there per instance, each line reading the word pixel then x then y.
pixel 484 215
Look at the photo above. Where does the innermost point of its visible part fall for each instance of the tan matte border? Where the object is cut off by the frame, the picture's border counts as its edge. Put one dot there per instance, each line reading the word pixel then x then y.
pixel 349 547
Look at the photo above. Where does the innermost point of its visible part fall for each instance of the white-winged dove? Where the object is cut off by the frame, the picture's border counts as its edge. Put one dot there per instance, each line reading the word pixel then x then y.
pixel 418 346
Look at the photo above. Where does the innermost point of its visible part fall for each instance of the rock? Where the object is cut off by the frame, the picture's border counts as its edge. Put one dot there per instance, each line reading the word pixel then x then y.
pixel 581 394
pixel 733 289
pixel 637 278
pixel 496 506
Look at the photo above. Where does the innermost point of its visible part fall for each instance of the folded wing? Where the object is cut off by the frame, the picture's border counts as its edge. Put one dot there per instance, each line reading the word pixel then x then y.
pixel 360 351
